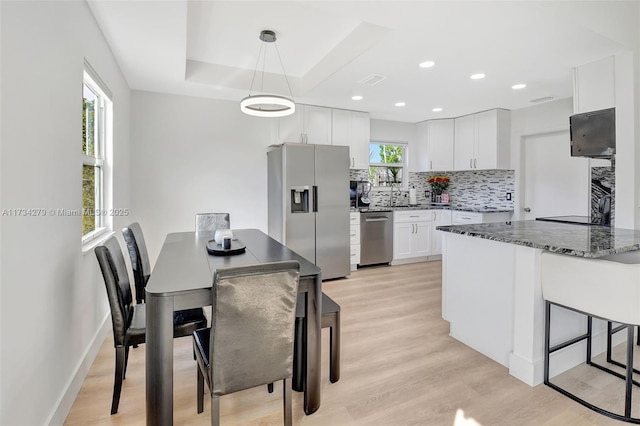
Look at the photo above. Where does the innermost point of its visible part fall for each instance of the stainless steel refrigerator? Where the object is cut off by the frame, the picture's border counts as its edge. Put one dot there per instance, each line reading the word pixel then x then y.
pixel 308 192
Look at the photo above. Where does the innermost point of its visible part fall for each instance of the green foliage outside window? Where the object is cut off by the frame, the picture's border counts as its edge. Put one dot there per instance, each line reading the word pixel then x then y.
pixel 88 172
pixel 386 164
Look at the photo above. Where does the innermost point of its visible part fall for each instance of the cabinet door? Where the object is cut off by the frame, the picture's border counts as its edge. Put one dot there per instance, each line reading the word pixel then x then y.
pixel 317 125
pixel 422 239
pixel 402 240
pixel 340 127
pixel 487 140
pixel 441 218
pixel 420 160
pixel 465 136
pixel 440 135
pixel 360 139
pixel 352 129
pixel 290 128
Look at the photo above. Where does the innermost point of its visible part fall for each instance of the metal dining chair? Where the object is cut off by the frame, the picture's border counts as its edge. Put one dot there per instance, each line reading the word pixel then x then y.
pixel 139 256
pixel 210 222
pixel 128 320
pixel 250 342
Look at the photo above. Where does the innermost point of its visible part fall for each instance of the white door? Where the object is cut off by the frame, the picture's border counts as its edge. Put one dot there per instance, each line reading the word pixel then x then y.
pixel 555 184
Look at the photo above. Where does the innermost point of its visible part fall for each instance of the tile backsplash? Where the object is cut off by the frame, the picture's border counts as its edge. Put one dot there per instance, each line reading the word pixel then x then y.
pixel 603 183
pixel 478 188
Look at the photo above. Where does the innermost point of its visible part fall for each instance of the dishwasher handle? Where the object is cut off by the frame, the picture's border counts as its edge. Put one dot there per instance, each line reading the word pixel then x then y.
pixel 376 219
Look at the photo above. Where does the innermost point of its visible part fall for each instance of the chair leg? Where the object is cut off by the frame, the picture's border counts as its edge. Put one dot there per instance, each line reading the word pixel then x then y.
pixel 126 362
pixel 200 391
pixel 270 387
pixel 215 410
pixel 299 356
pixel 286 399
pixel 117 380
pixel 334 347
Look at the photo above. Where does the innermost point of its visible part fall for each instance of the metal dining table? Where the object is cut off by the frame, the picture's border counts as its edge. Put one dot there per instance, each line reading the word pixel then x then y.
pixel 182 278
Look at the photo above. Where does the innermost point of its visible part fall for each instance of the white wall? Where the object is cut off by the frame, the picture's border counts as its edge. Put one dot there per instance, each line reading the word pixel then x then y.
pixel 53 305
pixel 194 155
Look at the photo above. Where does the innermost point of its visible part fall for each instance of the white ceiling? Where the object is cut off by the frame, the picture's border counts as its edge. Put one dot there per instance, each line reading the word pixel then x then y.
pixel 210 49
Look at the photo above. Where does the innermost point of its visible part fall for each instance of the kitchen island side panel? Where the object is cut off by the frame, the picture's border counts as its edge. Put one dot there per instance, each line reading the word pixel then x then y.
pixel 492 298
pixel 479 294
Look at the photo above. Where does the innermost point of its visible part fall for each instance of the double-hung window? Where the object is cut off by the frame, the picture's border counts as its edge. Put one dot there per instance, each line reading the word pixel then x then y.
pixel 96 135
pixel 387 164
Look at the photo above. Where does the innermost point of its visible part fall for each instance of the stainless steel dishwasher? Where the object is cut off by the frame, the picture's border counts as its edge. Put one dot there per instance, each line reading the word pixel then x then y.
pixel 376 237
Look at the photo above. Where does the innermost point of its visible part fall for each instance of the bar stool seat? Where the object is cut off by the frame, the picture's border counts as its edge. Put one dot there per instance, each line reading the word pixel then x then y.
pixel 330 319
pixel 607 288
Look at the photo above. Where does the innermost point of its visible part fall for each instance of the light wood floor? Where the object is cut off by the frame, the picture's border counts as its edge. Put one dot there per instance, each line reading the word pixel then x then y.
pixel 399 367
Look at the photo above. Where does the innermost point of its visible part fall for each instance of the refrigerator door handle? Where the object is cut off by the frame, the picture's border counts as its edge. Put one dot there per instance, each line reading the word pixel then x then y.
pixel 315 198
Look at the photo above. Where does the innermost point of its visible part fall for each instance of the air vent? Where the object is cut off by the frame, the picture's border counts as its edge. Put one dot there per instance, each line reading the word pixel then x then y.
pixel 372 80
pixel 545 99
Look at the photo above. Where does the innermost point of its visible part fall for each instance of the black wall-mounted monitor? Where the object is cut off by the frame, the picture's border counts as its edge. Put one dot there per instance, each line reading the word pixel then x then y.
pixel 593 134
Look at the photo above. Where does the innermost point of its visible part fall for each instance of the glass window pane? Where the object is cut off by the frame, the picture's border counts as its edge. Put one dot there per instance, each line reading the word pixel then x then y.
pixel 89 198
pixel 89 102
pixel 385 176
pixel 386 153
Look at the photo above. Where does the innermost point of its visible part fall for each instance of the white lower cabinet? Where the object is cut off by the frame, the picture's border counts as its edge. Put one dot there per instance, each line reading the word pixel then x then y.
pixel 412 230
pixel 440 218
pixel 354 237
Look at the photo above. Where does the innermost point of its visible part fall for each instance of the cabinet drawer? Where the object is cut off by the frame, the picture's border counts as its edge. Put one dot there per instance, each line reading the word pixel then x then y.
pixel 354 234
pixel 354 218
pixel 355 254
pixel 463 218
pixel 412 216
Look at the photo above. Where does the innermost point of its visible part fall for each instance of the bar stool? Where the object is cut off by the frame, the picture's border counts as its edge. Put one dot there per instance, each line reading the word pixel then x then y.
pixel 330 319
pixel 607 288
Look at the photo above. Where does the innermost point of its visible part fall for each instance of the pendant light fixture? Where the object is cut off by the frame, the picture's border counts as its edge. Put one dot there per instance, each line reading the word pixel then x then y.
pixel 265 105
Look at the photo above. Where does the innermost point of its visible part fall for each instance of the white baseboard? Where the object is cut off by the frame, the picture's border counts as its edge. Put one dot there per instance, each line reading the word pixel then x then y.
pixel 63 407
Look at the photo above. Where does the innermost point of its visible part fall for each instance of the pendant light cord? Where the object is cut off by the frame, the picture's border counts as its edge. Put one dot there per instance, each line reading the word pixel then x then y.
pixel 264 61
pixel 255 70
pixel 284 72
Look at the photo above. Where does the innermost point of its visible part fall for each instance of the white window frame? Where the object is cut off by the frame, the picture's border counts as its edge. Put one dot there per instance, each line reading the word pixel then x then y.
pixel 404 165
pixel 103 122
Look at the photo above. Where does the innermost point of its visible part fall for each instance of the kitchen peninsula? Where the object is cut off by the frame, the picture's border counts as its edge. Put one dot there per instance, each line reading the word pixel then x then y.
pixel 491 288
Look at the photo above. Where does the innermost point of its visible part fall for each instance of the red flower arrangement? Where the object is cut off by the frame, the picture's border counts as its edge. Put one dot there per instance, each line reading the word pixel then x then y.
pixel 439 184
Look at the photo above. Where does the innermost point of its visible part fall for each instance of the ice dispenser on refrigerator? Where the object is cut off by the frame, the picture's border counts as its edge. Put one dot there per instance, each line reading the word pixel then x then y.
pixel 299 199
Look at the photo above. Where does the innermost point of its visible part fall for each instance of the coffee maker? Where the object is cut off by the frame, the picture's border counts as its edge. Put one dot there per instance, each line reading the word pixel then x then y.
pixel 359 193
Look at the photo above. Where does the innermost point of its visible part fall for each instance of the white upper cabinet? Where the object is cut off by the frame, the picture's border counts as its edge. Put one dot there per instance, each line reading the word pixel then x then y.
pixel 434 150
pixel 440 137
pixel 482 141
pixel 309 124
pixel 353 129
pixel 465 142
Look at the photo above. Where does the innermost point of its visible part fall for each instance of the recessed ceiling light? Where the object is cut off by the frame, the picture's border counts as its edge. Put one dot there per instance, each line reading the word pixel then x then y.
pixel 477 76
pixel 518 86
pixel 400 104
pixel 427 64
pixel 437 109
pixel 356 98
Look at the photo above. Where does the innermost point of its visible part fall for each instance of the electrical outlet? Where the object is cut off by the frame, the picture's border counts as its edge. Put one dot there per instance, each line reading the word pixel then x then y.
pixel 508 196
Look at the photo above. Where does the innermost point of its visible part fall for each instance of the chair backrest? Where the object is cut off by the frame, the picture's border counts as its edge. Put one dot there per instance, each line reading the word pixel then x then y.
pixel 252 325
pixel 209 222
pixel 139 258
pixel 116 281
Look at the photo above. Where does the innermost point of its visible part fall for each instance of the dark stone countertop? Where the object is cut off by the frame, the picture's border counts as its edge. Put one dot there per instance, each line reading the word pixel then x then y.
pixel 475 209
pixel 571 239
